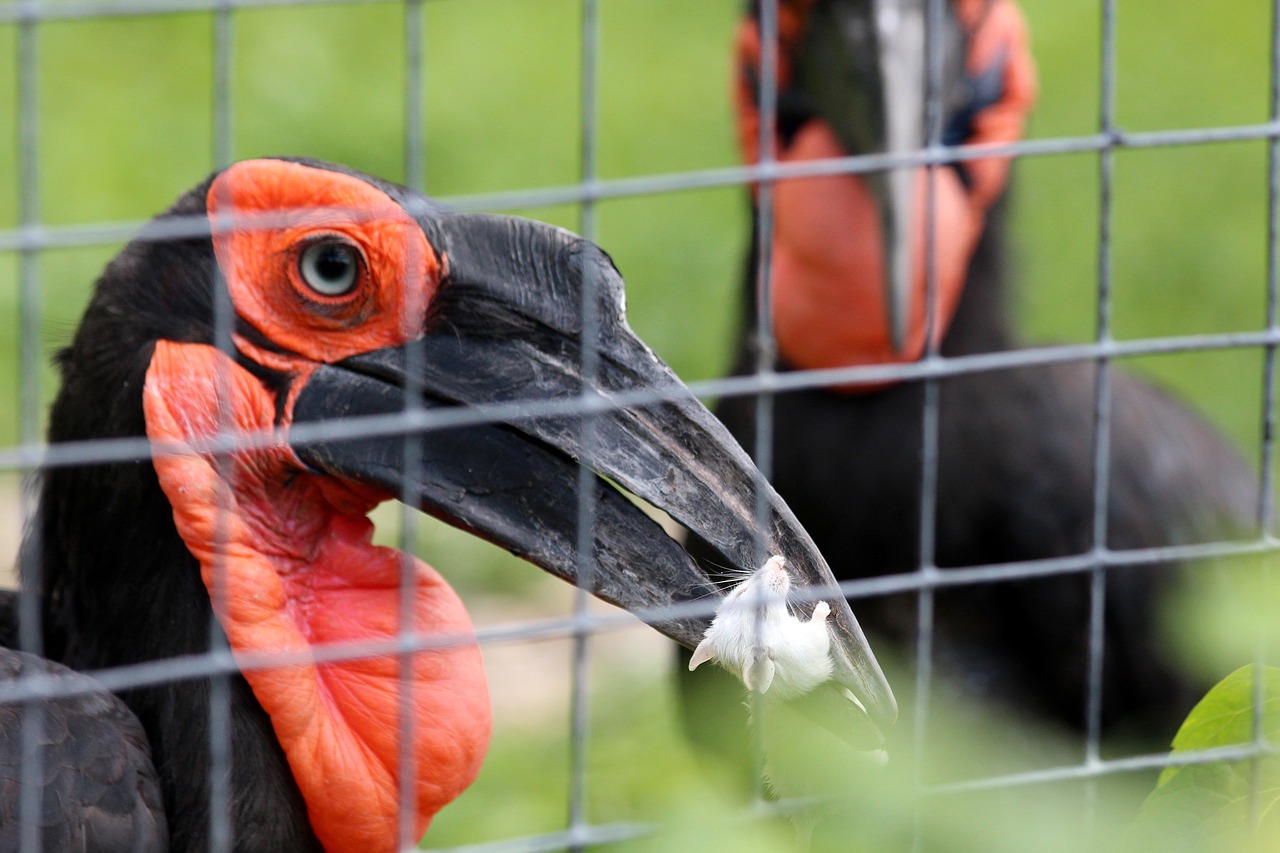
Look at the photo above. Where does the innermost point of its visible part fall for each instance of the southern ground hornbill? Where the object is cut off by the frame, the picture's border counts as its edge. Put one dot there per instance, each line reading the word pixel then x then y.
pixel 1016 446
pixel 344 295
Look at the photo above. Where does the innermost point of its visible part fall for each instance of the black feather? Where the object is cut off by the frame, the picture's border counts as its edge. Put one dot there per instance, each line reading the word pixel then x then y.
pixel 97 789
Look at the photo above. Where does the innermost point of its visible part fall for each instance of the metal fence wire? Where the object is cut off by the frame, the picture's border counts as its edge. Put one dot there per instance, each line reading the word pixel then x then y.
pixel 41 233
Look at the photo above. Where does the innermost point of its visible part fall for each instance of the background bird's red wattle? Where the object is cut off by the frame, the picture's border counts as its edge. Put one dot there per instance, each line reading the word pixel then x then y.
pixel 828 269
pixel 828 305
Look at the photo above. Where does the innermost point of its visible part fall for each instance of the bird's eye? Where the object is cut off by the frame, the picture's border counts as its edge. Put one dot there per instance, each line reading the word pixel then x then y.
pixel 330 267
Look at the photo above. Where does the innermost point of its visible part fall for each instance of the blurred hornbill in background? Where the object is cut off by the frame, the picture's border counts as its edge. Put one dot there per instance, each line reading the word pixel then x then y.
pixel 341 295
pixel 1016 447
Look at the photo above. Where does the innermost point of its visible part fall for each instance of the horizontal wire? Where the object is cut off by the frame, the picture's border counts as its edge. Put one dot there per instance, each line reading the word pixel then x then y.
pixel 618 832
pixel 1108 767
pixel 221 662
pixel 574 837
pixel 1094 769
pixel 68 236
pixel 64 454
pixel 28 10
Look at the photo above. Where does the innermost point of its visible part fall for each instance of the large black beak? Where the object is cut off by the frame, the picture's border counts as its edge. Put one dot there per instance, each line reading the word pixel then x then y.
pixel 862 67
pixel 507 328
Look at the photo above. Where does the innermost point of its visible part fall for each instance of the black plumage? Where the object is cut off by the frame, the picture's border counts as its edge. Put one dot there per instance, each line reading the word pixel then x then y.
pixel 96 788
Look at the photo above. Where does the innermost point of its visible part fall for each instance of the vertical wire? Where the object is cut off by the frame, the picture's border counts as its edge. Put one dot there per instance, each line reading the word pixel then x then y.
pixel 927 600
pixel 414 86
pixel 766 343
pixel 30 307
pixel 222 79
pixel 1266 499
pixel 29 217
pixel 1102 416
pixel 1266 495
pixel 407 625
pixel 580 704
pixel 407 757
pixel 220 829
pixel 220 746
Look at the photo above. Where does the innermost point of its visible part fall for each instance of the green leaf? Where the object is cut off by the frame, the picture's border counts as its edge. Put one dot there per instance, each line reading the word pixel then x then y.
pixel 1225 716
pixel 1224 805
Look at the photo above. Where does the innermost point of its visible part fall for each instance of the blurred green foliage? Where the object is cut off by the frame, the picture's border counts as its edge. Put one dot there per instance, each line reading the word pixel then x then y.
pixel 125 124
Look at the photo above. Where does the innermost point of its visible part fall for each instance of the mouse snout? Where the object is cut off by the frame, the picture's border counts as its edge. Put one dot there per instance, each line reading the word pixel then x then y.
pixel 776 577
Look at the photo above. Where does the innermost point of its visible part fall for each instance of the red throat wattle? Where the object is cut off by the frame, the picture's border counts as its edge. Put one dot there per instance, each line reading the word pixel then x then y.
pixel 287 559
pixel 286 554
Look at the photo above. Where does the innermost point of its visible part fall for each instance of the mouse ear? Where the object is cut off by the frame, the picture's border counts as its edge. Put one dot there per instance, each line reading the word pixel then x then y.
pixel 759 676
pixel 703 653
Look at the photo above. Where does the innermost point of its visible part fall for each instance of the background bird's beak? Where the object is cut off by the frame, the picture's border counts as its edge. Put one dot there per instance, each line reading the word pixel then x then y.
pixel 507 328
pixel 861 67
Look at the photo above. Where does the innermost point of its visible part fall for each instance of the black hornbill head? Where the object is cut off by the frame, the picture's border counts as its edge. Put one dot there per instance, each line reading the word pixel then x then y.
pixel 347 296
pixel 854 78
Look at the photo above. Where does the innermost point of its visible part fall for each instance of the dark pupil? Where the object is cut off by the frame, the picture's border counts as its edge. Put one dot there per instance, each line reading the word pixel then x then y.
pixel 334 263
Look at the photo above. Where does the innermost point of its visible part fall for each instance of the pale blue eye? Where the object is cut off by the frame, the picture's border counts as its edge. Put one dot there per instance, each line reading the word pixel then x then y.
pixel 330 267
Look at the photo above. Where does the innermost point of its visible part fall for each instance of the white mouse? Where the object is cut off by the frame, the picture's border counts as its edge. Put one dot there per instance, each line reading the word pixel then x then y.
pixel 755 636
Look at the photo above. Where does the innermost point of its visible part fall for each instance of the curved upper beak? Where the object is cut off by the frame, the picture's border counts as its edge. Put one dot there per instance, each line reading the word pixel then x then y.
pixel 861 66
pixel 507 327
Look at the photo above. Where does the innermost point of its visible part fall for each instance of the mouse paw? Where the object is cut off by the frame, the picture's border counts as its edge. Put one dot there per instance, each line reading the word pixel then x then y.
pixel 821 611
pixel 705 651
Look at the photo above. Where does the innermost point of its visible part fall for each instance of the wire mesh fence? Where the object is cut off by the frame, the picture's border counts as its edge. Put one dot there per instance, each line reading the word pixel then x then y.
pixel 611 117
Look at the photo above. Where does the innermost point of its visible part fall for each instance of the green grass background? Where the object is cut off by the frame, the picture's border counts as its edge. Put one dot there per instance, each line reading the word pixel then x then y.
pixel 125 125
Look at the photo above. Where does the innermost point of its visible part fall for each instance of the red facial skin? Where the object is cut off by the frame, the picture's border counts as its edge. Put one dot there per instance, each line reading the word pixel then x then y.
pixel 286 554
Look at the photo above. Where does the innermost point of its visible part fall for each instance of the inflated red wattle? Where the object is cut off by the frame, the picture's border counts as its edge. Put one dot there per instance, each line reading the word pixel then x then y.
pixel 290 568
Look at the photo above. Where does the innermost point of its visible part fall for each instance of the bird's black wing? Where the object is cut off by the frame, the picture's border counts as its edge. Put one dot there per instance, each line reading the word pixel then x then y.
pixel 95 786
